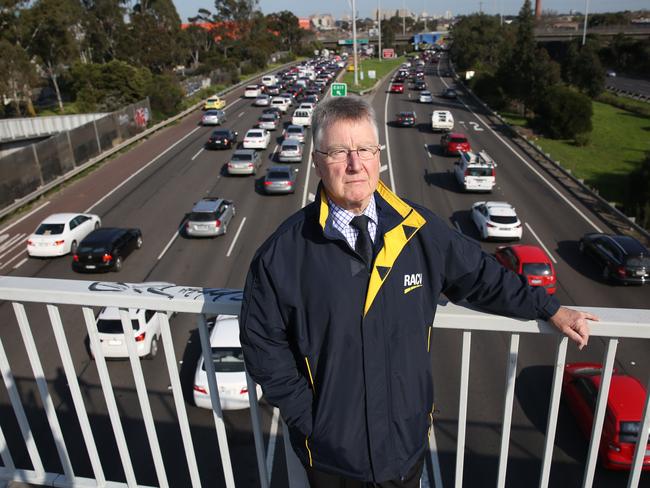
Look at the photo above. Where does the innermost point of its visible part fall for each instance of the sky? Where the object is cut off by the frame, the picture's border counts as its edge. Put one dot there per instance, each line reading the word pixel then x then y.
pixel 339 8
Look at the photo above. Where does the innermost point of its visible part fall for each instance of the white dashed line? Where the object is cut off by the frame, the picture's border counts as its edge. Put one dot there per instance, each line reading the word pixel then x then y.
pixel 11 260
pixel 390 164
pixel 232 245
pixel 383 167
pixel 240 114
pixel 20 263
pixel 167 246
pixel 309 163
pixel 11 243
pixel 541 243
pixel 426 148
pixel 197 154
pixel 23 218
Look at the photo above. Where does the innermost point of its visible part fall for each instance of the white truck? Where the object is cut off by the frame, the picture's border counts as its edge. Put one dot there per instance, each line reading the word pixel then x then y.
pixel 442 121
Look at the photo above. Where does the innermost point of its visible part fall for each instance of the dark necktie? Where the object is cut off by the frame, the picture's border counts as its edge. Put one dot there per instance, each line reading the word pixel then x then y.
pixel 363 246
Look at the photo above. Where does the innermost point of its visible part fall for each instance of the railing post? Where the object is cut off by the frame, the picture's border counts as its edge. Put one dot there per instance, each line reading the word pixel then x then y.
pixel 258 435
pixel 462 408
pixel 511 372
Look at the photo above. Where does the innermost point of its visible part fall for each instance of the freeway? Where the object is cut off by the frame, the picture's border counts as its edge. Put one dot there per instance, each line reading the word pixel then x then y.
pixel 154 185
pixel 630 85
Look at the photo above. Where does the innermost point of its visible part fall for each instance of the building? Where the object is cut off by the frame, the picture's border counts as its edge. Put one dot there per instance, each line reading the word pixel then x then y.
pixel 322 21
pixel 391 12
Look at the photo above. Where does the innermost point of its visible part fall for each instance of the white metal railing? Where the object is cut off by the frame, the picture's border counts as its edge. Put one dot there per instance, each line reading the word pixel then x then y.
pixel 165 297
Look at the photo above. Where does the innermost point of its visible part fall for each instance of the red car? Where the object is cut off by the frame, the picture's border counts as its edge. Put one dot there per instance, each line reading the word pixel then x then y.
pixel 530 262
pixel 454 142
pixel 623 415
pixel 396 88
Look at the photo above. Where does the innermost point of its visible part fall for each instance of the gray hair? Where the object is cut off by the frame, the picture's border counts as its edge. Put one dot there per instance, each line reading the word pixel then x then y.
pixel 335 109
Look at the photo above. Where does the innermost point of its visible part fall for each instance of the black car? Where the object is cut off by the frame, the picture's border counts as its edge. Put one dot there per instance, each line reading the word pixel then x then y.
pixel 623 258
pixel 222 139
pixel 105 249
pixel 419 85
pixel 449 93
pixel 405 119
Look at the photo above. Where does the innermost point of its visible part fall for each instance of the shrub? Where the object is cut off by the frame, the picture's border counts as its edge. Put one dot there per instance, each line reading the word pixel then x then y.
pixel 563 113
pixel 582 139
pixel 488 89
pixel 165 95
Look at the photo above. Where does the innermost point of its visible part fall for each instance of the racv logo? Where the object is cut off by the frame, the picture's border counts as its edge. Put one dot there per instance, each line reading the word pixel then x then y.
pixel 412 281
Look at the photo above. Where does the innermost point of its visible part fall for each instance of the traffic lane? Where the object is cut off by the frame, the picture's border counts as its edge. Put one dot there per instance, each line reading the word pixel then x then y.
pixel 629 84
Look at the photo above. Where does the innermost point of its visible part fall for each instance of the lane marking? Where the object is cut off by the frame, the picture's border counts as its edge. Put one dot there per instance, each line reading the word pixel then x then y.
pixel 383 167
pixel 11 260
pixel 523 160
pixel 23 218
pixel 167 246
pixel 232 245
pixel 195 156
pixel 273 435
pixel 4 237
pixel 142 169
pixel 240 114
pixel 11 242
pixel 541 243
pixel 20 263
pixel 12 247
pixel 310 162
pixel 390 163
pixel 426 148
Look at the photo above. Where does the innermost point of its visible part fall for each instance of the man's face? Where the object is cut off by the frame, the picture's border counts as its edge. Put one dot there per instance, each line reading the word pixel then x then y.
pixel 350 183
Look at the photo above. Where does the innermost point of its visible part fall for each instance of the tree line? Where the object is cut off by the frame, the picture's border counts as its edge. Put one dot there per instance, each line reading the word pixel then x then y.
pixel 105 54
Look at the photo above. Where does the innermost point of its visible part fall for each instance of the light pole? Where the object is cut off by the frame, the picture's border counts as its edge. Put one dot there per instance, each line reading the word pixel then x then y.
pixel 379 18
pixel 403 18
pixel 354 41
pixel 584 28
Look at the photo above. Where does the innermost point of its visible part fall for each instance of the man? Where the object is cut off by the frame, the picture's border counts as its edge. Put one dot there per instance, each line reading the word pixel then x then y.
pixel 338 306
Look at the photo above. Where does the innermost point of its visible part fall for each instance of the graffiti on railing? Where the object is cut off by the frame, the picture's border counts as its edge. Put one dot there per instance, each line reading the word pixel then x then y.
pixel 169 290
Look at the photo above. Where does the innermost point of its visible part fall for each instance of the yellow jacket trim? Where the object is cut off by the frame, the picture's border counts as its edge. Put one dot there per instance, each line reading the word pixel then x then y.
pixel 311 464
pixel 324 209
pixel 429 340
pixel 311 378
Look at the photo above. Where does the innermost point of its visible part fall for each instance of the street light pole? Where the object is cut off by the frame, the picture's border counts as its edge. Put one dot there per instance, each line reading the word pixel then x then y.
pixel 379 18
pixel 403 18
pixel 354 41
pixel 584 28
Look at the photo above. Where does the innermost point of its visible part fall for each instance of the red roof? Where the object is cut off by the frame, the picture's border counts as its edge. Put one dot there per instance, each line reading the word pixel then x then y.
pixel 626 396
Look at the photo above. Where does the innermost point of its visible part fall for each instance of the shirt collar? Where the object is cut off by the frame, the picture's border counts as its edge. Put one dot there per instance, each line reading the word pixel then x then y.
pixel 339 213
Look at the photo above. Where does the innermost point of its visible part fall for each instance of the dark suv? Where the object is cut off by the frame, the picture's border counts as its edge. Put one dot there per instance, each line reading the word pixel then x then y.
pixel 623 258
pixel 105 249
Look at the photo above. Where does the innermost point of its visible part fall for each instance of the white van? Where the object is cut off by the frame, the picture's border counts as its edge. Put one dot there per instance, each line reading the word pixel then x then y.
pixel 475 171
pixel 442 120
pixel 301 117
pixel 269 80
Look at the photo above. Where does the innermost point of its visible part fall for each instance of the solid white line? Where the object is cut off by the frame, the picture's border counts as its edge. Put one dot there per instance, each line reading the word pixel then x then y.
pixel 20 263
pixel 304 192
pixel 270 450
pixel 11 260
pixel 523 160
pixel 23 218
pixel 390 163
pixel 4 237
pixel 195 156
pixel 232 245
pixel 167 246
pixel 12 247
pixel 11 242
pixel 142 169
pixel 426 148
pixel 541 243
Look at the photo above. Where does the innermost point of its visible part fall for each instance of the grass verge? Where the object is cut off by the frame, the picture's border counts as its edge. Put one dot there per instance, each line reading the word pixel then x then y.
pixel 381 68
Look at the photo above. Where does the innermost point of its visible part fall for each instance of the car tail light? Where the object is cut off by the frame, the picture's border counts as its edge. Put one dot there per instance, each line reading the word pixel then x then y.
pixel 490 225
pixel 59 243
pixel 75 258
pixel 217 223
pixel 243 391
pixel 250 165
pixel 518 226
pixel 30 242
pixel 621 271
pixel 200 389
pixel 187 224
pixel 107 258
pixel 140 337
pixel 268 183
pixel 494 173
pixel 466 173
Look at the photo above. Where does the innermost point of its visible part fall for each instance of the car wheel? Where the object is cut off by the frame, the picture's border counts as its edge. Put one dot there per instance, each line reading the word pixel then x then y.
pixel 138 243
pixel 73 247
pixel 118 264
pixel 154 349
pixel 96 225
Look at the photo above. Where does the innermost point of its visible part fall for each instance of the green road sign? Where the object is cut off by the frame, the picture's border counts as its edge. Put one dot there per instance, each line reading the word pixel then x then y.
pixel 339 89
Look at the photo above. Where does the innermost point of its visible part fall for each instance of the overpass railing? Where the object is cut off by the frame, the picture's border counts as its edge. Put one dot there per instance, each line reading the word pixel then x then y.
pixel 51 424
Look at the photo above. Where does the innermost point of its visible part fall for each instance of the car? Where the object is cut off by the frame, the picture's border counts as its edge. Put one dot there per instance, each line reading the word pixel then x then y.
pixel 105 249
pixel 449 93
pixel 611 73
pixel 252 91
pixel 209 217
pixel 213 117
pixel 294 132
pixel 269 80
pixel 290 151
pixel 228 361
pixel 257 139
pixel 496 220
pixel 262 100
pixel 268 122
pixel 59 234
pixel 405 119
pixel 301 117
pixel 307 106
pixel 426 97
pixel 442 121
pixel 311 97
pixel 530 262
pixel 475 171
pixel 244 162
pixel 623 259
pixel 273 89
pixel 281 103
pixel 147 326
pixel 396 87
pixel 419 85
pixel 280 179
pixel 454 143
pixel 275 111
pixel 222 139
pixel 214 103
pixel 623 415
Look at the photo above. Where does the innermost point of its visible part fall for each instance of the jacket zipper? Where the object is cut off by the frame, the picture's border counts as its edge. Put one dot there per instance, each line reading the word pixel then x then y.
pixel 313 388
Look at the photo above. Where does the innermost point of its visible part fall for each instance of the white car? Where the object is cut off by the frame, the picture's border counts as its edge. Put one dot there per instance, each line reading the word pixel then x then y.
pixel 442 120
pixel 269 80
pixel 496 220
pixel 475 171
pixel 290 151
pixel 59 234
pixel 262 100
pixel 146 329
pixel 426 97
pixel 252 91
pixel 282 103
pixel 228 360
pixel 257 139
pixel 306 106
pixel 294 132
pixel 301 117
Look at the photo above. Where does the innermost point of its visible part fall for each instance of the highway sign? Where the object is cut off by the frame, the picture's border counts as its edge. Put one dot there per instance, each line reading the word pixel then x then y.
pixel 388 53
pixel 339 89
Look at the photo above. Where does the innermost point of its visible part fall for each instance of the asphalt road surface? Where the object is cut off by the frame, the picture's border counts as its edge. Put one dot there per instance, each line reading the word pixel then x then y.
pixel 154 185
pixel 637 86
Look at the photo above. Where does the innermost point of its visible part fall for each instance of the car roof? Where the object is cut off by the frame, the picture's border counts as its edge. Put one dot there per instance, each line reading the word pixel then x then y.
pixel 207 205
pixel 255 131
pixel 530 254
pixel 295 127
pixel 225 331
pixel 213 112
pixel 629 244
pixel 103 234
pixel 626 396
pixel 283 169
pixel 59 218
pixel 113 313
pixel 290 142
pixel 500 208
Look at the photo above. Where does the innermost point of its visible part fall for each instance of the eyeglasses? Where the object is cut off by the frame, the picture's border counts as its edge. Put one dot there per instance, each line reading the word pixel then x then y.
pixel 339 155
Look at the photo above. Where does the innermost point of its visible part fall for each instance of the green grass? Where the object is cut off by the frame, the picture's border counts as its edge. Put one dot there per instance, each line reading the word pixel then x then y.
pixel 381 67
pixel 617 146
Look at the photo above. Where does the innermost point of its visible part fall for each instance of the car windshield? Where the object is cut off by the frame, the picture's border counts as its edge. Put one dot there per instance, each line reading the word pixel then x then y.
pixel 267 118
pixel 91 250
pixel 503 219
pixel 212 113
pixel 241 157
pixel 220 133
pixel 227 360
pixel 638 261
pixel 114 326
pixel 254 134
pixel 630 431
pixel 294 131
pixel 479 172
pixel 202 217
pixel 277 175
pixel 289 147
pixel 49 229
pixel 457 140
pixel 537 269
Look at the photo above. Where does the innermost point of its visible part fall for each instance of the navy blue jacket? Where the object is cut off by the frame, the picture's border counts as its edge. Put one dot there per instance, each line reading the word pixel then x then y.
pixel 344 353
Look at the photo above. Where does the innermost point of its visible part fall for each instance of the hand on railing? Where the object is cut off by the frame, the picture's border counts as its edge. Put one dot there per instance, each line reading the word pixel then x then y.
pixel 573 324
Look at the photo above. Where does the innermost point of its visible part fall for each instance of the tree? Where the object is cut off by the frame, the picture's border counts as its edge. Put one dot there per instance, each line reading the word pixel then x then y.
pixel 17 75
pixel 639 194
pixel 478 43
pixel 286 25
pixel 563 113
pixel 103 27
pixel 198 42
